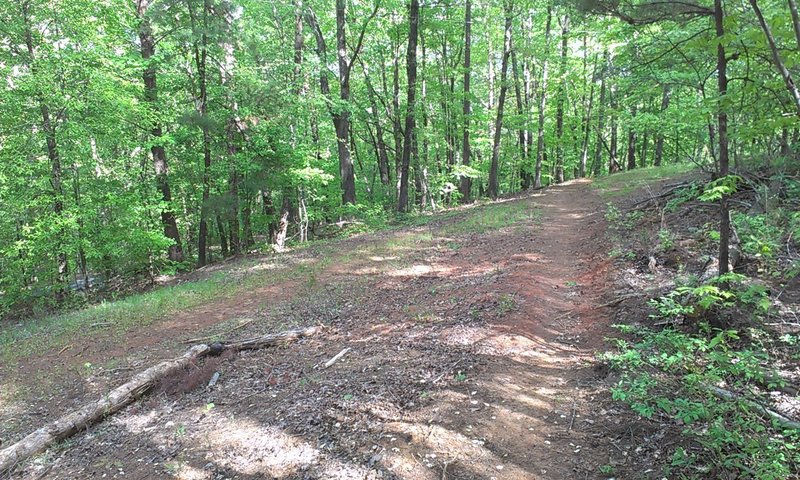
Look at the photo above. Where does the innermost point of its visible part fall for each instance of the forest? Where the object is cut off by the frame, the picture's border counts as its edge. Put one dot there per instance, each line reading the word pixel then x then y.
pixel 595 202
pixel 148 137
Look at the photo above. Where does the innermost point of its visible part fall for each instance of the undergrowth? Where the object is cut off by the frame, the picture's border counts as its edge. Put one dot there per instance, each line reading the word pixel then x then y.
pixel 713 388
pixel 708 365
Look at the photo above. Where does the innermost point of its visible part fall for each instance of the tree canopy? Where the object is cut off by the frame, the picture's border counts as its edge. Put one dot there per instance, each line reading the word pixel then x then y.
pixel 144 136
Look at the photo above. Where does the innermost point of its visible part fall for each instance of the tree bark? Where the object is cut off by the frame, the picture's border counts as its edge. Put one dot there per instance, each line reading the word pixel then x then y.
pixel 537 176
pixel 613 162
pixel 411 74
pixel 341 114
pixel 722 136
pixel 587 118
pixel 226 75
pixel 380 143
pixel 524 173
pixel 665 95
pixel 598 148
pixel 632 143
pixel 283 223
pixel 53 155
pixel 559 172
pixel 148 48
pixel 200 59
pixel 494 183
pixel 466 182
pixel 795 21
pixel 776 56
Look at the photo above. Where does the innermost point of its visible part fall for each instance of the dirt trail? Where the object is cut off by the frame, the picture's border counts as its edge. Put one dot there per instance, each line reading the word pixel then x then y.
pixel 471 357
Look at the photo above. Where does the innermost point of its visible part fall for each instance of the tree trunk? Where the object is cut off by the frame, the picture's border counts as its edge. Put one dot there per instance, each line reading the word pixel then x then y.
pixel 466 182
pixel 795 21
pixel 524 173
pixel 494 183
pixel 598 148
pixel 247 223
pixel 643 155
pixel 559 172
pixel 632 143
pixel 613 162
pixel 587 120
pixel 380 143
pixel 722 134
pixel 148 46
pixel 200 52
pixel 283 224
pixel 53 155
pixel 223 238
pixel 776 56
pixel 341 116
pixel 660 137
pixel 397 128
pixel 537 178
pixel 411 74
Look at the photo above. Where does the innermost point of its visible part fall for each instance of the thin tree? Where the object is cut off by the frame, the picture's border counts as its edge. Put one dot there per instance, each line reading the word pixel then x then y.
pixel 665 95
pixel 466 181
pixel 722 134
pixel 147 44
pixel 537 178
pixel 587 119
pixel 200 51
pixel 776 56
pixel 48 127
pixel 494 183
pixel 632 142
pixel 562 91
pixel 598 147
pixel 411 74
pixel 341 113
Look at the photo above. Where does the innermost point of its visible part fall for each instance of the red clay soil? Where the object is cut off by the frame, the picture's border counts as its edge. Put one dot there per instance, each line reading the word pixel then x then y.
pixel 472 357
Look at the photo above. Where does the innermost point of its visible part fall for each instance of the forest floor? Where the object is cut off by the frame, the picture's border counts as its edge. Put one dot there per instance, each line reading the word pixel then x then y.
pixel 473 342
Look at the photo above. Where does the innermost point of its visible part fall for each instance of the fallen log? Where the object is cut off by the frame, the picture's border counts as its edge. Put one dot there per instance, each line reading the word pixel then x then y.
pixel 75 421
pixel 781 420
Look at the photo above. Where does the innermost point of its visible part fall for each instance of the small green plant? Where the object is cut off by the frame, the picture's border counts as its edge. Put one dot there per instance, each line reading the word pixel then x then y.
pixel 673 374
pixel 506 303
pixel 682 196
pixel 571 283
pixel 607 469
pixel 460 376
pixel 622 253
pixel 666 240
pixel 715 190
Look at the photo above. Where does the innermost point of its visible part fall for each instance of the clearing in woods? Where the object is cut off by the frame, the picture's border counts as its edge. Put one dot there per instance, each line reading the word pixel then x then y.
pixel 472 355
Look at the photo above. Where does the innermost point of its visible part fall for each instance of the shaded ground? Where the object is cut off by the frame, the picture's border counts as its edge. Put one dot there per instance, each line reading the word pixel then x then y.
pixel 472 357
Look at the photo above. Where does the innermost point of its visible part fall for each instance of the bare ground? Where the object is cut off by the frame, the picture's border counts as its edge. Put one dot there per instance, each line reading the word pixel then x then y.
pixel 472 357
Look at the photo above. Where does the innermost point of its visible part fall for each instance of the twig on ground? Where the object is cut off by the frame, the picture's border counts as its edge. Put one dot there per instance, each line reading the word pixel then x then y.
pixel 337 357
pixel 212 337
pixel 445 372
pixel 572 419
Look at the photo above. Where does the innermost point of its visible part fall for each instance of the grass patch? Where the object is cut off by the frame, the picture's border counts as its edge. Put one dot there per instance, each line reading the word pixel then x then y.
pixel 492 216
pixel 624 183
pixel 54 331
